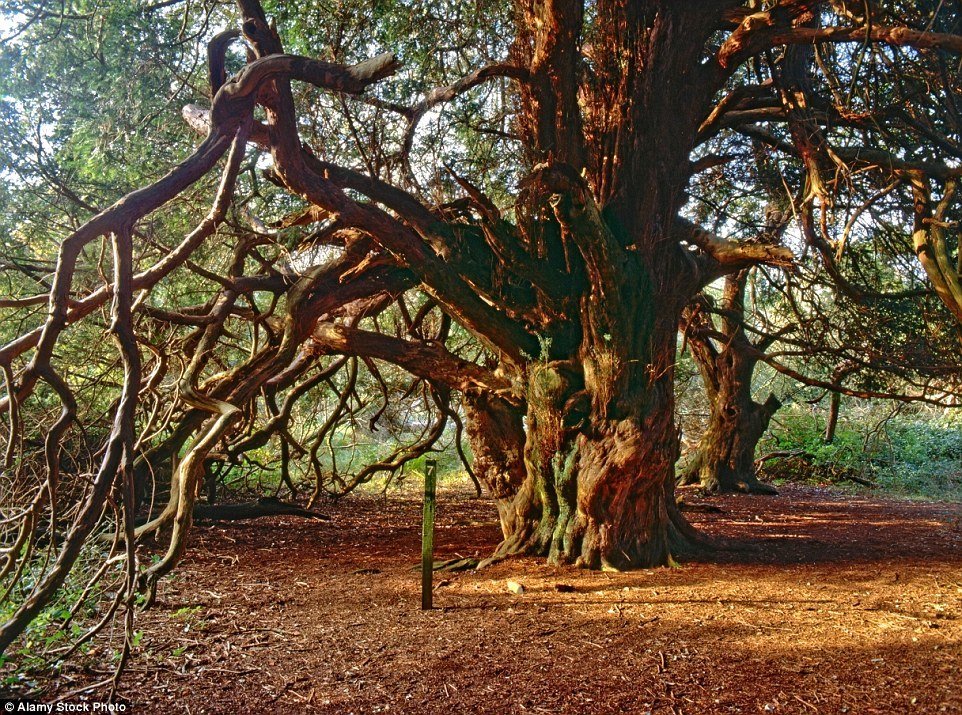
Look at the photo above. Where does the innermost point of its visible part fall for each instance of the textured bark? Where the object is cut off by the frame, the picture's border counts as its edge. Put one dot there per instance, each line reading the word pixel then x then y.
pixel 495 430
pixel 835 403
pixel 601 441
pixel 599 459
pixel 628 492
pixel 265 506
pixel 725 457
pixel 724 460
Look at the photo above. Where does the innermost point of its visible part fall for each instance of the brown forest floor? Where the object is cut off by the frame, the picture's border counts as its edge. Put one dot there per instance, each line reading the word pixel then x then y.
pixel 842 604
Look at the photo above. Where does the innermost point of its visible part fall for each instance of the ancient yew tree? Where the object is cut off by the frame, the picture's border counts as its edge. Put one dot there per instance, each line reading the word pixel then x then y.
pixel 551 275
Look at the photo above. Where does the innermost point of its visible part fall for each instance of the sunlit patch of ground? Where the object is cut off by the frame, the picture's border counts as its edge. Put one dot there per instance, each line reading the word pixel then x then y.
pixel 833 605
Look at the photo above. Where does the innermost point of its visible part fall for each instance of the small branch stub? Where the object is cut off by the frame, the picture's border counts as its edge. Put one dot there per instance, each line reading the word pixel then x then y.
pixel 427 534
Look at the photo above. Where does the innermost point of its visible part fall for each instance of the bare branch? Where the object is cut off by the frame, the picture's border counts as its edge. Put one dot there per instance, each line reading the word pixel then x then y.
pixel 428 359
pixel 765 30
pixel 732 255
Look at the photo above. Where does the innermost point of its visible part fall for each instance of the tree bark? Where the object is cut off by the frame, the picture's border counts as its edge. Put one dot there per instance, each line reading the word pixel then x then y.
pixel 599 458
pixel 496 434
pixel 835 403
pixel 724 460
pixel 725 457
pixel 611 150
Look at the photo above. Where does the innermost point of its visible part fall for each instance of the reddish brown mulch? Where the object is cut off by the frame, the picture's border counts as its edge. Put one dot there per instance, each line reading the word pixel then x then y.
pixel 840 604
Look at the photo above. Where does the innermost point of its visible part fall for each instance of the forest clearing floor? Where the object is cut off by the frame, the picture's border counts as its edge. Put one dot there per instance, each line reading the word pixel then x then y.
pixel 836 603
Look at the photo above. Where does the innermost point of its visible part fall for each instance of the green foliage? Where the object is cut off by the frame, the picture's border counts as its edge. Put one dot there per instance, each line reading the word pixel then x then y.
pixel 917 454
pixel 353 455
pixel 74 609
pixel 797 431
pixel 924 457
pixel 192 617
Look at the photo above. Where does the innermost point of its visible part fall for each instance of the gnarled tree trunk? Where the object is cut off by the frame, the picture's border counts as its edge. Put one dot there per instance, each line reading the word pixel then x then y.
pixel 610 149
pixel 495 430
pixel 724 460
pixel 599 457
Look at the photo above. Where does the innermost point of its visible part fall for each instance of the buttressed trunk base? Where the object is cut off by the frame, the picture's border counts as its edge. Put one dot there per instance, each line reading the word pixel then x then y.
pixel 599 481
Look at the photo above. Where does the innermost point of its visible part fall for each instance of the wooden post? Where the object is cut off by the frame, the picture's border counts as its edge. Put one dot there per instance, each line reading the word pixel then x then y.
pixel 427 534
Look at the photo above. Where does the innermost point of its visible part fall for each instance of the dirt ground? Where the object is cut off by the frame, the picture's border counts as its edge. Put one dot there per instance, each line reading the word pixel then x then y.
pixel 835 604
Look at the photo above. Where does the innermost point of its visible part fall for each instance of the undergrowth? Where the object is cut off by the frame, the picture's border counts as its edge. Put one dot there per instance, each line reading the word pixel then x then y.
pixel 78 605
pixel 909 453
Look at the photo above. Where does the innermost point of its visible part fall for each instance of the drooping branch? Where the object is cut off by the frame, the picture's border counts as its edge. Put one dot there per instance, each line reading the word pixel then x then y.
pixel 216 404
pixel 232 107
pixel 928 238
pixel 118 456
pixel 406 453
pixel 932 395
pixel 412 248
pixel 279 421
pixel 230 120
pixel 76 310
pixel 429 229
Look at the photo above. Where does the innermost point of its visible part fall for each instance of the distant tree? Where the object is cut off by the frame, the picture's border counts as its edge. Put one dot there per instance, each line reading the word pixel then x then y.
pixel 857 318
pixel 724 460
pixel 891 346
